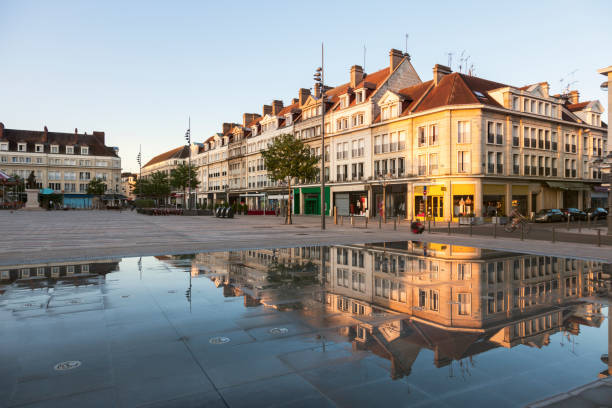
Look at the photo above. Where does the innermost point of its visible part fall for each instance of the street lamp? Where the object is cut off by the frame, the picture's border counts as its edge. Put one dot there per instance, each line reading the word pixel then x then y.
pixel 319 77
pixel 384 182
pixel 606 164
pixel 188 139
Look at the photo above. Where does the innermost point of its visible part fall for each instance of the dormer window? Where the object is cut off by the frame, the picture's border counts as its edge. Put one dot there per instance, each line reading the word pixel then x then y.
pixel 515 103
pixel 4 147
pixel 288 119
pixel 40 148
pixel 84 150
pixel 54 149
pixel 359 96
pixel 21 147
pixel 344 101
pixel 69 149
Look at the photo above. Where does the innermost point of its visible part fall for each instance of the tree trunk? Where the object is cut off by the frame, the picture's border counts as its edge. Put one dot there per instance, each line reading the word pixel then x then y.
pixel 289 202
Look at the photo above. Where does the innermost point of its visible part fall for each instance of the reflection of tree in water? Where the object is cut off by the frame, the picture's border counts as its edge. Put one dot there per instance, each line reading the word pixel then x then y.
pixel 293 272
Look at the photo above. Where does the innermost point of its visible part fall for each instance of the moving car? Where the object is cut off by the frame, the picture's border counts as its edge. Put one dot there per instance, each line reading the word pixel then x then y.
pixel 549 215
pixel 597 213
pixel 573 214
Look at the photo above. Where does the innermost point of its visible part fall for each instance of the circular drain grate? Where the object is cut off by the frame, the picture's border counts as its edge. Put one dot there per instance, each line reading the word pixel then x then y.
pixel 67 365
pixel 279 330
pixel 219 340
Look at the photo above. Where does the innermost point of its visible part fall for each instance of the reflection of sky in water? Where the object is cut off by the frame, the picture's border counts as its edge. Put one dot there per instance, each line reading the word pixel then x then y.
pixel 152 292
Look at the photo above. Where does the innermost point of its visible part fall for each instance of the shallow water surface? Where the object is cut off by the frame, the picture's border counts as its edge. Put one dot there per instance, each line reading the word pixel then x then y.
pixel 402 323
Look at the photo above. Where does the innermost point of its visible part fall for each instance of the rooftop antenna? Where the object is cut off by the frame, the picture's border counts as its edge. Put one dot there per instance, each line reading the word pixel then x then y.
pixel 450 59
pixel 406 47
pixel 565 89
pixel 461 60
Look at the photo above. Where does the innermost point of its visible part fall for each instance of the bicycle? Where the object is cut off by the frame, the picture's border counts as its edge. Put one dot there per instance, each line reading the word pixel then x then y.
pixel 522 223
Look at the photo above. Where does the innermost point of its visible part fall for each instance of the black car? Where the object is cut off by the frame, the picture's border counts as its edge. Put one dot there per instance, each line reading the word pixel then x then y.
pixel 549 215
pixel 574 214
pixel 597 213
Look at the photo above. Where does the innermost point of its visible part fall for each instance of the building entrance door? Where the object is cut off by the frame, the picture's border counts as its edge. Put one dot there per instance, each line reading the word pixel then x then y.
pixel 435 207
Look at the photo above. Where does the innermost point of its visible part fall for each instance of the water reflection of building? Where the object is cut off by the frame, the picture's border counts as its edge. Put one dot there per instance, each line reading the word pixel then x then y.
pixel 457 301
pixel 56 270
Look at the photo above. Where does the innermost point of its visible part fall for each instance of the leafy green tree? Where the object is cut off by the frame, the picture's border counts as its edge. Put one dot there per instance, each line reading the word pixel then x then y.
pixel 179 178
pixel 142 188
pixel 289 158
pixel 96 187
pixel 158 186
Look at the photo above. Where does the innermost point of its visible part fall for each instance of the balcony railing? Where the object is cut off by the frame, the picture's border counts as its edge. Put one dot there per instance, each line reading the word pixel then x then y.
pixel 385 148
pixel 516 169
pixel 393 147
pixel 377 149
pixel 490 168
pixel 401 145
pixel 526 142
pixel 500 168
pixel 527 170
pixel 515 141
pixel 499 139
pixel 490 138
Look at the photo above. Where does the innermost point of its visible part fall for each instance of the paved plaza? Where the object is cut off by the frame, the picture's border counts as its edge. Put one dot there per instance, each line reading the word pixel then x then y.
pixel 41 236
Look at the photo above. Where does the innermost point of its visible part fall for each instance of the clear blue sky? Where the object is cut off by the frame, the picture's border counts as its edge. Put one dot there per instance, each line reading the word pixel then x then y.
pixel 136 70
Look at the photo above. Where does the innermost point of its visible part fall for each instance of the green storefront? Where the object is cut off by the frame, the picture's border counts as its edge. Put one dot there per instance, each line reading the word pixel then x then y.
pixel 312 200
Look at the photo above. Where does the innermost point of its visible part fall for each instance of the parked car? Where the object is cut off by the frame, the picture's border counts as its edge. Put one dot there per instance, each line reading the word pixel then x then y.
pixel 549 215
pixel 597 213
pixel 573 214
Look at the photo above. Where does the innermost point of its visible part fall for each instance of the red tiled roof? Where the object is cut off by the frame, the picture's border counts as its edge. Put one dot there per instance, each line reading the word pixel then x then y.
pixel 178 153
pixel 574 107
pixel 460 89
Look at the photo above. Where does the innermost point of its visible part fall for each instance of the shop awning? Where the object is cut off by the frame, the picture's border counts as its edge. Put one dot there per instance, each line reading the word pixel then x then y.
pixel 568 185
pixel 46 191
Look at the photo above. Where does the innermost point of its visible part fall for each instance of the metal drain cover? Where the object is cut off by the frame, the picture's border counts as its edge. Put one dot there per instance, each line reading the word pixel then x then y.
pixel 67 365
pixel 219 340
pixel 279 330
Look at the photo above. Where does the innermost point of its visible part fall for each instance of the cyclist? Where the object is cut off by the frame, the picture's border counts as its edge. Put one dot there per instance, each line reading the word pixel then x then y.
pixel 517 217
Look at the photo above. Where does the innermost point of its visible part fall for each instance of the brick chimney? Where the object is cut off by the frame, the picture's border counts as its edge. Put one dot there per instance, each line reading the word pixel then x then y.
pixel 294 101
pixel 248 118
pixel 226 128
pixel 76 131
pixel 317 90
pixel 395 57
pixel 356 75
pixel 267 110
pixel 1 129
pixel 439 71
pixel 45 134
pixel 574 96
pixel 303 94
pixel 99 136
pixel 545 88
pixel 277 106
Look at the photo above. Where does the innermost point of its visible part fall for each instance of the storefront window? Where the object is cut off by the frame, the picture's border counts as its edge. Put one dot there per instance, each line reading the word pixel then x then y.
pixel 494 205
pixel 463 205
pixel 358 203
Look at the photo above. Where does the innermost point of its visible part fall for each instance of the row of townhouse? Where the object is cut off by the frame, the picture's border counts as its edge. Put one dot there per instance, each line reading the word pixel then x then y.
pixel 451 146
pixel 63 163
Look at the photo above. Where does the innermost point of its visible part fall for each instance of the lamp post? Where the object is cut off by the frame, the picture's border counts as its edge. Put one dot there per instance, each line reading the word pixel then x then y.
pixel 319 77
pixel 139 160
pixel 188 139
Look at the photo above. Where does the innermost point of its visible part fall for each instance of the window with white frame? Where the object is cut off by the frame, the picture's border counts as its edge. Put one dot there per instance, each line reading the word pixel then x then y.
pixel 84 150
pixel 464 303
pixel 433 163
pixel 21 147
pixel 463 132
pixel 69 149
pixel 39 148
pixel 421 136
pixel 54 149
pixel 4 146
pixel 433 135
pixel 463 162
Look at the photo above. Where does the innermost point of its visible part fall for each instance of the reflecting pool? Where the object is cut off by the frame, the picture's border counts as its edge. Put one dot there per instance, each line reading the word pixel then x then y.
pixel 402 323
